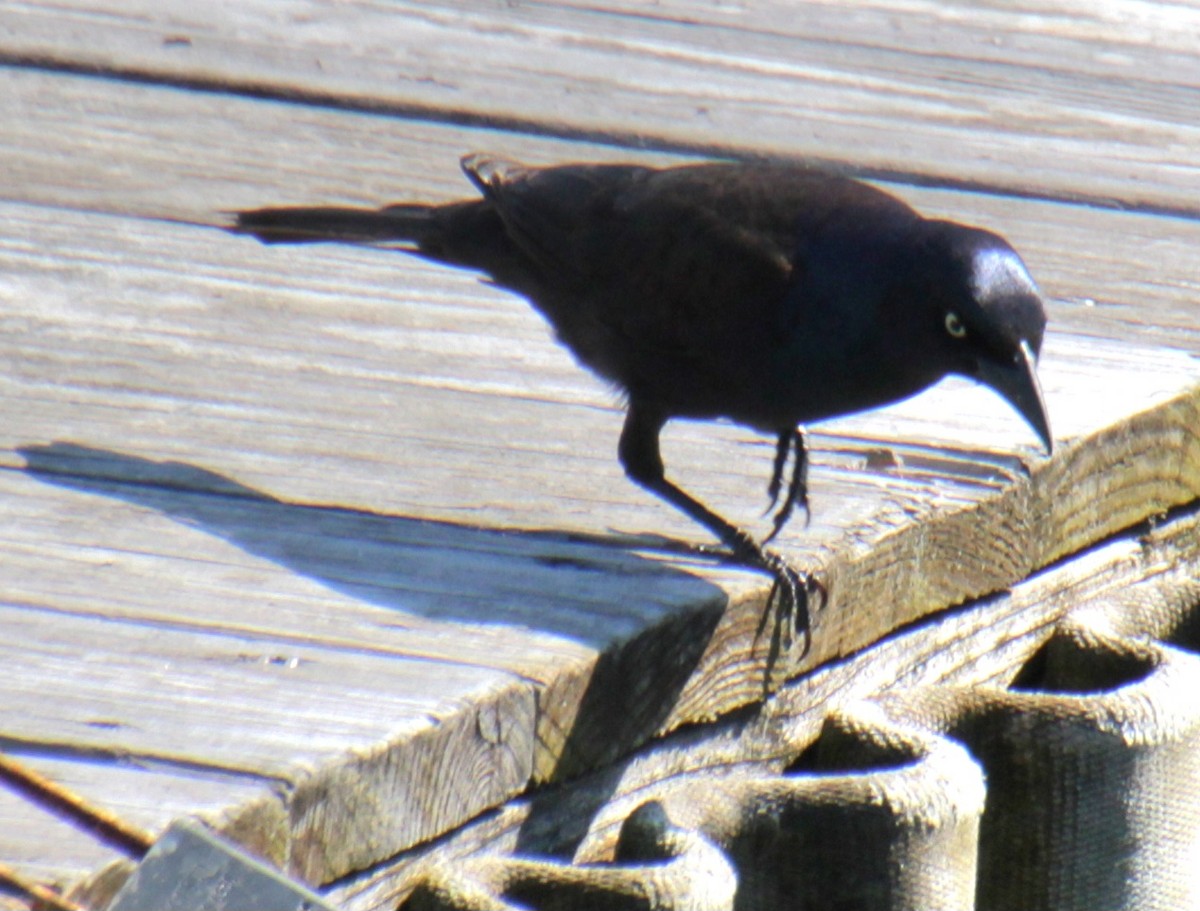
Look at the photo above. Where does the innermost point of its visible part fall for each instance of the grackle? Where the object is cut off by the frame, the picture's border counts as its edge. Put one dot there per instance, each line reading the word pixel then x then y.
pixel 768 294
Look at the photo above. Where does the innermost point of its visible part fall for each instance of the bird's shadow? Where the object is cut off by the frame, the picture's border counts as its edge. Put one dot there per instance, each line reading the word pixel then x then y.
pixel 453 573
pixel 424 567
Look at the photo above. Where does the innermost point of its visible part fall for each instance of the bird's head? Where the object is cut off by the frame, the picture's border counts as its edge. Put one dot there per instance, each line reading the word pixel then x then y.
pixel 986 314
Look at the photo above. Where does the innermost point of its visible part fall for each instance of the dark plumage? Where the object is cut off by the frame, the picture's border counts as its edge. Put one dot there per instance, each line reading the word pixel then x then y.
pixel 768 294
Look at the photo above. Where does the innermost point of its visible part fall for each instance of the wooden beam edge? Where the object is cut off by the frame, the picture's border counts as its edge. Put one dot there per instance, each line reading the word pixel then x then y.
pixel 1094 487
pixel 1144 582
pixel 706 663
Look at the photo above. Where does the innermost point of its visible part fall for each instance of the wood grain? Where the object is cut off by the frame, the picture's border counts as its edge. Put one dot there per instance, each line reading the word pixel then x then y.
pixel 1139 584
pixel 1112 274
pixel 1016 97
pixel 332 546
pixel 235 534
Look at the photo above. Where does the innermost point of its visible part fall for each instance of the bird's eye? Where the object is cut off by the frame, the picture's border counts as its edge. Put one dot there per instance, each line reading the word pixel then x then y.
pixel 954 325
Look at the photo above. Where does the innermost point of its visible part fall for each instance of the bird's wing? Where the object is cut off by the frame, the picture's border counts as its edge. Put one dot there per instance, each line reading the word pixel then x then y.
pixel 671 260
pixel 692 276
pixel 553 214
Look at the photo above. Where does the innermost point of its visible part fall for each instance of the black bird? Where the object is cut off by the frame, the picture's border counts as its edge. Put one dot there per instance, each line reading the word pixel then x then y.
pixel 769 294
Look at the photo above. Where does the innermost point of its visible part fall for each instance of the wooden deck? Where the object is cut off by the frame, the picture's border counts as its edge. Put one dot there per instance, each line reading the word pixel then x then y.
pixel 331 546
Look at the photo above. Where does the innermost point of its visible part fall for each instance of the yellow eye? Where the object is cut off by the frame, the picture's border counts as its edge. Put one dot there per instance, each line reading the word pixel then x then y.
pixel 954 325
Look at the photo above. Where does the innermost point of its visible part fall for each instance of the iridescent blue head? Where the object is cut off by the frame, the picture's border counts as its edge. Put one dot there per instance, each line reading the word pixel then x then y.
pixel 992 316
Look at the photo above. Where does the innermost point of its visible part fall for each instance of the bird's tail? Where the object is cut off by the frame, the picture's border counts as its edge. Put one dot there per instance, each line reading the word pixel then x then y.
pixel 405 224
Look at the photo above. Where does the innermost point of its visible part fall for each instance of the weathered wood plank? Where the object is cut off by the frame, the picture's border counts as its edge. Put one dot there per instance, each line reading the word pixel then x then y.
pixel 96 360
pixel 1144 582
pixel 1016 97
pixel 391 471
pixel 1115 276
pixel 343 658
pixel 234 340
pixel 140 792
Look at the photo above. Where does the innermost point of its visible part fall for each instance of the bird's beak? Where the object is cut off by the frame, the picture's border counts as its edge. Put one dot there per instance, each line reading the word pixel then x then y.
pixel 1017 381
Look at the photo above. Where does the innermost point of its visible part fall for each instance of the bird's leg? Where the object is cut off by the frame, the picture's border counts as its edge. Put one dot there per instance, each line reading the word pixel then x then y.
pixel 642 460
pixel 782 447
pixel 797 492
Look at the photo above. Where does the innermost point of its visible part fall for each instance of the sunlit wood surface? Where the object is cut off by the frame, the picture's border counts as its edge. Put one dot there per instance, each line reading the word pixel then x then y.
pixel 331 546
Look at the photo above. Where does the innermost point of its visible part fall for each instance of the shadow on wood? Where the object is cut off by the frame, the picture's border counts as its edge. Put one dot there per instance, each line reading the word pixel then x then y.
pixel 589 712
pixel 430 568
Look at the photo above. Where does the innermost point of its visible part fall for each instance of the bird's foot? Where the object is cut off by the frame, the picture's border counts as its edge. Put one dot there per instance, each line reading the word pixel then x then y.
pixel 791 441
pixel 797 595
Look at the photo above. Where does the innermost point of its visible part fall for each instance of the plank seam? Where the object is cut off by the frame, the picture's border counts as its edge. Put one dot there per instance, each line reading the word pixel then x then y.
pixel 638 141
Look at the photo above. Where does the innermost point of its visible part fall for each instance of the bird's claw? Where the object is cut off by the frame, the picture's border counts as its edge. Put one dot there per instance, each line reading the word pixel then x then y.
pixel 796 591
